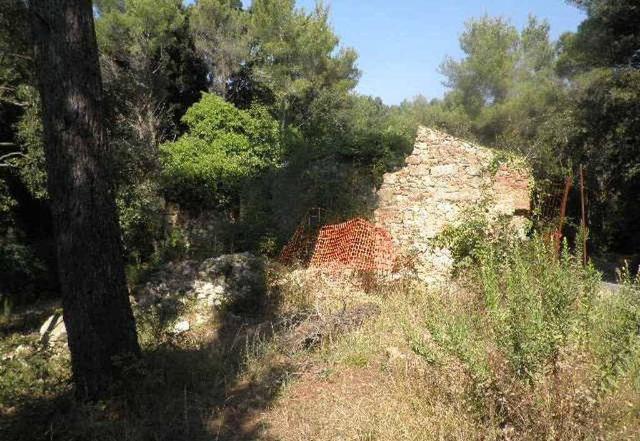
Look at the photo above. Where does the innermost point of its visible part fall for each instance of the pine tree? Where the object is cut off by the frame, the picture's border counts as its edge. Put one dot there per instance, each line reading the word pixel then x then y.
pixel 96 309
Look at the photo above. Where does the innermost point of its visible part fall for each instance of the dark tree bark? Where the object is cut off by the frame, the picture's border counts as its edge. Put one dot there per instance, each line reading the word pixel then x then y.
pixel 96 309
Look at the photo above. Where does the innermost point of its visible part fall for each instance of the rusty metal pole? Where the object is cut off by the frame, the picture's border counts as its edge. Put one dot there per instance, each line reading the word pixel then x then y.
pixel 584 218
pixel 563 212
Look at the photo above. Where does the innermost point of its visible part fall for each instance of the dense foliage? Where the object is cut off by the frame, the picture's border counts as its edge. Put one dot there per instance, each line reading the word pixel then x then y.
pixel 281 130
pixel 227 123
pixel 544 351
pixel 222 148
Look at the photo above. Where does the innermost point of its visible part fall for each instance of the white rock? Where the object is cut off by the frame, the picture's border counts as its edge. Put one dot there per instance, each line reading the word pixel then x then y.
pixel 212 283
pixel 444 170
pixel 394 353
pixel 181 326
pixel 53 330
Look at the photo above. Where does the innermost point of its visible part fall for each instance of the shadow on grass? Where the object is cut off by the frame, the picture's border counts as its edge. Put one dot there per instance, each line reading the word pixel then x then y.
pixel 27 319
pixel 193 387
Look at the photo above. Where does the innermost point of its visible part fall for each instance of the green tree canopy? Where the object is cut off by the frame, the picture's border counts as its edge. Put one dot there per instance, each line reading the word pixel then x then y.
pixel 484 76
pixel 221 34
pixel 609 36
pixel 296 54
pixel 504 86
pixel 149 64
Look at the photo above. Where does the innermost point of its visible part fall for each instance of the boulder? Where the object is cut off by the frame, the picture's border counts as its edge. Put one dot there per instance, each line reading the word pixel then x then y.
pixel 230 280
pixel 181 326
pixel 53 331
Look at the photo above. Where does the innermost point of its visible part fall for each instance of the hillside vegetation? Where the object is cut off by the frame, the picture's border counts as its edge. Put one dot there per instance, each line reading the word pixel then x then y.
pixel 525 346
pixel 150 177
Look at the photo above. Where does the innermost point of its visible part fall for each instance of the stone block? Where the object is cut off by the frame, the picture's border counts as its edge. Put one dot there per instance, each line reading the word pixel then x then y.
pixel 413 160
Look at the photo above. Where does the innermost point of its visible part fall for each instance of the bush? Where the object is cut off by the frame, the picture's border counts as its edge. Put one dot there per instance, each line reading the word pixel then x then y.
pixel 535 301
pixel 141 214
pixel 223 148
pixel 545 352
pixel 532 299
pixel 478 234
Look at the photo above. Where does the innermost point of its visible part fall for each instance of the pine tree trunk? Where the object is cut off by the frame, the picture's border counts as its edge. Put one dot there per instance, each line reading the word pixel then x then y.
pixel 97 314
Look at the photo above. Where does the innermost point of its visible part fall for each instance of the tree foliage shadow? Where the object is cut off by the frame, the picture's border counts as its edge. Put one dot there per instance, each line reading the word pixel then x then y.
pixel 184 388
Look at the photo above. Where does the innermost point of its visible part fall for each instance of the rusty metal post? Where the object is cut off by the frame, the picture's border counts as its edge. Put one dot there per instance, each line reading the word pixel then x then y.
pixel 583 223
pixel 563 213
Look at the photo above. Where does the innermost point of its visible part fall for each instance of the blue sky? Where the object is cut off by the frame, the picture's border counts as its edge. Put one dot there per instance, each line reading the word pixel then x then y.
pixel 401 43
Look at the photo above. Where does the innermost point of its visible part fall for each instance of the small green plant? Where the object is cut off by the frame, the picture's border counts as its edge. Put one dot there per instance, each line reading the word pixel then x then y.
pixel 470 239
pixel 174 246
pixel 268 245
pixel 459 335
pixel 27 372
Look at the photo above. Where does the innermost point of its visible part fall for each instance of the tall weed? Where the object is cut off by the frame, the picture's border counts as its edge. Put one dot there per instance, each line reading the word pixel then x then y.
pixel 615 337
pixel 545 352
pixel 536 302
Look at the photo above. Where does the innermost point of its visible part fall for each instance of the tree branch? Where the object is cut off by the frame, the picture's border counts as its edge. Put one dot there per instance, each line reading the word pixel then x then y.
pixel 8 156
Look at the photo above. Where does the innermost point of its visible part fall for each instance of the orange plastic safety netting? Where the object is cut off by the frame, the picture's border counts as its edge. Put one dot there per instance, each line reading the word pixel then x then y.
pixel 300 247
pixel 355 244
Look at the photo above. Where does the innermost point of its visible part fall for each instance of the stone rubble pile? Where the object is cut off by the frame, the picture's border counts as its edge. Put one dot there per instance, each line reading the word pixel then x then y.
pixel 209 285
pixel 214 282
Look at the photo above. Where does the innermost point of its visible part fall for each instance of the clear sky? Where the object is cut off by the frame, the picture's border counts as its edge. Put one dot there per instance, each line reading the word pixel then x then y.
pixel 401 43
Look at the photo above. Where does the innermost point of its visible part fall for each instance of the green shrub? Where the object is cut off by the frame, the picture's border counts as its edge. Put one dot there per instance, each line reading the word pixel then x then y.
pixel 532 301
pixel 141 214
pixel 480 233
pixel 31 166
pixel 460 336
pixel 29 373
pixel 223 147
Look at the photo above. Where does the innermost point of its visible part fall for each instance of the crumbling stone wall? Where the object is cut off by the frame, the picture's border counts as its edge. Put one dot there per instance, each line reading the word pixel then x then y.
pixel 442 178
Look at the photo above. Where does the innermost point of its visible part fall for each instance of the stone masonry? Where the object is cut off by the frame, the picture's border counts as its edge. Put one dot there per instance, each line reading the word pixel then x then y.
pixel 442 178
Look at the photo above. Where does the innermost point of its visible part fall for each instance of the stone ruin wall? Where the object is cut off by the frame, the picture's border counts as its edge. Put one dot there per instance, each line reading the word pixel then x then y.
pixel 442 178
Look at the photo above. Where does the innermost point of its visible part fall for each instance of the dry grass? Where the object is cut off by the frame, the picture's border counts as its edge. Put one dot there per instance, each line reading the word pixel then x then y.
pixel 369 384
pixel 423 367
pixel 376 402
pixel 392 380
